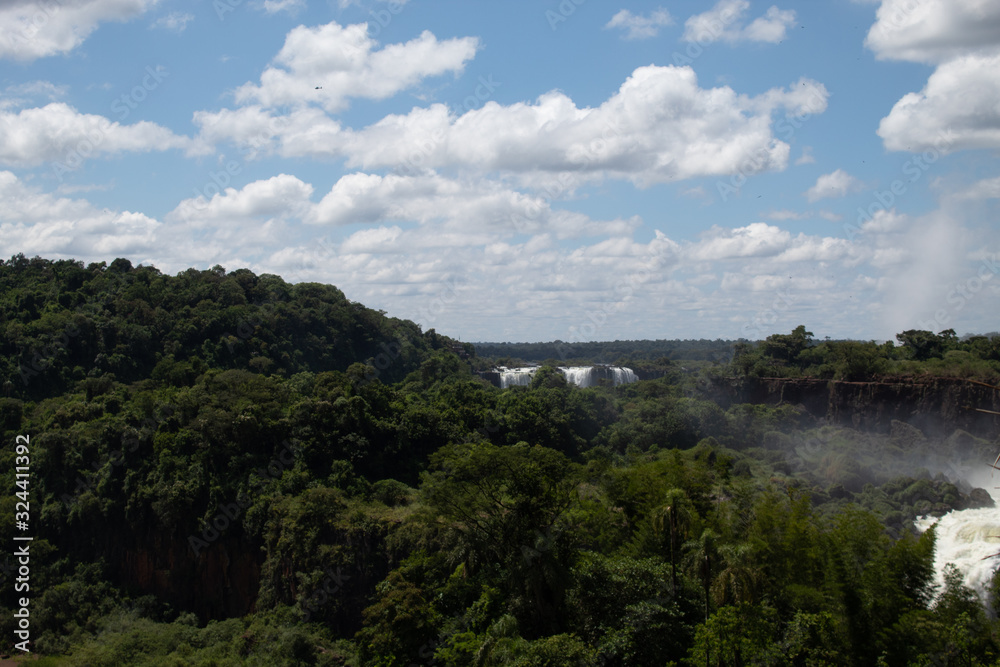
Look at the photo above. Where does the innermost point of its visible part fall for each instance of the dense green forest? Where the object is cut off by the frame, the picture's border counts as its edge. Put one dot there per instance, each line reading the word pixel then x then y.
pixel 227 469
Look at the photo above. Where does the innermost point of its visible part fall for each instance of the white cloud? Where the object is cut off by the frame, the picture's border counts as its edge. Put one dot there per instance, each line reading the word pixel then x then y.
pixel 37 28
pixel 59 133
pixel 959 108
pixel 638 26
pixel 437 250
pixel 478 209
pixel 659 127
pixel 806 157
pixel 329 64
pixel 934 31
pixel 988 188
pixel 725 22
pixel 23 93
pixel 835 184
pixel 39 223
pixel 174 22
pixel 280 196
pixel 755 240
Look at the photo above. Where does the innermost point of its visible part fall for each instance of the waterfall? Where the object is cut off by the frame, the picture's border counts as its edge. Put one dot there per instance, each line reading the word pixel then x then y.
pixel 581 376
pixel 512 377
pixel 964 539
pixel 623 375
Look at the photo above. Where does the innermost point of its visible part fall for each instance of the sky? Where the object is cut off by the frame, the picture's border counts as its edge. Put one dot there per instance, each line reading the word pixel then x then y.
pixel 529 170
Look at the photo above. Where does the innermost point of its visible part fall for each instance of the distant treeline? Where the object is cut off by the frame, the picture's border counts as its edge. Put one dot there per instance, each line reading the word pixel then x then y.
pixel 919 352
pixel 611 352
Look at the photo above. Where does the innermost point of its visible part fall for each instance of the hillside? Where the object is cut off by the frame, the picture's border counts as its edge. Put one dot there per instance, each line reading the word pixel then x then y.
pixel 64 323
pixel 219 479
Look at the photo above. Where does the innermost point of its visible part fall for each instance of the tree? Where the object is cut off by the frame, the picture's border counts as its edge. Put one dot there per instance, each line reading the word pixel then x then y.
pixel 504 504
pixel 703 559
pixel 672 519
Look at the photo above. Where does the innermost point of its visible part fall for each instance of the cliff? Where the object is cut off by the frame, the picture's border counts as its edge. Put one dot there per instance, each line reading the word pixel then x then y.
pixel 937 406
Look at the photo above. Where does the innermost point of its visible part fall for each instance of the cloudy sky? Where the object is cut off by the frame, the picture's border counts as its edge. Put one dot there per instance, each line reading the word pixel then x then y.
pixel 526 170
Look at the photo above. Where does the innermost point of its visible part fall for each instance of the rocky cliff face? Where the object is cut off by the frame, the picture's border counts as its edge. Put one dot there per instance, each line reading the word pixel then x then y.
pixel 936 406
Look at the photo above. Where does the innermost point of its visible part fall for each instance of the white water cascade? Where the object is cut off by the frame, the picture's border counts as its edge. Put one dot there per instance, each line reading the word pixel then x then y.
pixel 581 376
pixel 512 377
pixel 964 539
pixel 623 375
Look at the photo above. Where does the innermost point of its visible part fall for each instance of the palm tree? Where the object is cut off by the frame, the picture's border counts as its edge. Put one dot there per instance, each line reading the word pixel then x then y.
pixel 703 559
pixel 740 580
pixel 673 518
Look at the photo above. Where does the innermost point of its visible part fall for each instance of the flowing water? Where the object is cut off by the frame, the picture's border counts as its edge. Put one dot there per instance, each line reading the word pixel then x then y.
pixel 581 376
pixel 967 539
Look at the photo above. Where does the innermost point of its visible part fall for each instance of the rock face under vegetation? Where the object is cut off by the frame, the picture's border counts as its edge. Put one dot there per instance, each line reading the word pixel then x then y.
pixel 936 406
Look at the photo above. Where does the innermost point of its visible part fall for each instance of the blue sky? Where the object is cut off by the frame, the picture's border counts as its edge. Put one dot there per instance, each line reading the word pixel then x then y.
pixel 525 171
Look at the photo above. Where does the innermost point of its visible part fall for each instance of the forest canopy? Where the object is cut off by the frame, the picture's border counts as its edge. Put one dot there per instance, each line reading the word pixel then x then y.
pixel 228 469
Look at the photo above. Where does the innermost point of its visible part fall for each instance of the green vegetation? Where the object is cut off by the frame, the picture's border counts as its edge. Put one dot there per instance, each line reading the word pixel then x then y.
pixel 920 353
pixel 289 497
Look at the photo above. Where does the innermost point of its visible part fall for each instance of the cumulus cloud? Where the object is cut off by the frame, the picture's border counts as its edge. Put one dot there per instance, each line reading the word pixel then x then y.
pixel 835 184
pixel 329 64
pixel 637 26
pixel 959 108
pixel 60 134
pixel 44 224
pixel 659 127
pixel 281 196
pixel 480 209
pixel 726 22
pixel 934 31
pixel 36 28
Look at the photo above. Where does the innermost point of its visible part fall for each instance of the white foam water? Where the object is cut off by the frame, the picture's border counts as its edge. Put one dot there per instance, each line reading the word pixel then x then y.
pixel 967 539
